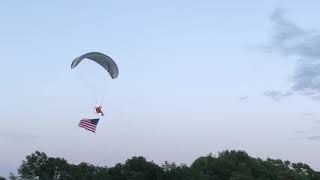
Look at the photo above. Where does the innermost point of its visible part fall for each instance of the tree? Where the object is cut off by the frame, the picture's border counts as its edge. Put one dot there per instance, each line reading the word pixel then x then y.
pixel 227 165
pixel 139 168
pixel 171 171
pixel 39 165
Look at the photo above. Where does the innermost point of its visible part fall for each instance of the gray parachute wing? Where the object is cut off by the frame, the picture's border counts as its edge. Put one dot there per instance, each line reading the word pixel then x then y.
pixel 103 60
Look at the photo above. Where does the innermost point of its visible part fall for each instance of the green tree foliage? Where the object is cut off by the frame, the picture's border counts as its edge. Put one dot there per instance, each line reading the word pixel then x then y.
pixel 39 165
pixel 136 168
pixel 227 165
pixel 171 171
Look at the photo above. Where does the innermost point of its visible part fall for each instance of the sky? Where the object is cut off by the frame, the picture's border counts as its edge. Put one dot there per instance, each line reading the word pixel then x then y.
pixel 195 78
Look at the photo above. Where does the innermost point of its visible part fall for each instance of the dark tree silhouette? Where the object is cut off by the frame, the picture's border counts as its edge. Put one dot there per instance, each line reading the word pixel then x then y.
pixel 227 165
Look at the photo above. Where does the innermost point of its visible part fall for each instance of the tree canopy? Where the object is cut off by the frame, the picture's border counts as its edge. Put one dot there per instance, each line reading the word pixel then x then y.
pixel 227 165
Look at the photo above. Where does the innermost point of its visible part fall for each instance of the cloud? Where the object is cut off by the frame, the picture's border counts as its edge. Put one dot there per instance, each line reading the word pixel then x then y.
pixel 18 136
pixel 304 46
pixel 300 131
pixel 308 134
pixel 307 114
pixel 314 138
pixel 277 95
pixel 243 98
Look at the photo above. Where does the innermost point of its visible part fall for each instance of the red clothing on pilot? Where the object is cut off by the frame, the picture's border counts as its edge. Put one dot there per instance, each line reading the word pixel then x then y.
pixel 99 110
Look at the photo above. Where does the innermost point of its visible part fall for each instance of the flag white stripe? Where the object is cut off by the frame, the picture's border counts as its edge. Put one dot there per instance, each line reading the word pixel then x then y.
pixel 90 129
pixel 88 124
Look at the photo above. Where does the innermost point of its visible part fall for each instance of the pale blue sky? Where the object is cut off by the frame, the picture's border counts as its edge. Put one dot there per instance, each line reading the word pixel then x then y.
pixel 183 67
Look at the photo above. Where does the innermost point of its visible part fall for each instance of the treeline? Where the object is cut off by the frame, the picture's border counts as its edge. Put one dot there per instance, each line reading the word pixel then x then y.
pixel 227 165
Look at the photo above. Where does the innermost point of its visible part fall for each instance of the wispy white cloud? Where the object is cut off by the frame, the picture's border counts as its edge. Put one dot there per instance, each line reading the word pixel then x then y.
pixel 277 95
pixel 15 136
pixel 243 98
pixel 308 134
pixel 314 138
pixel 304 46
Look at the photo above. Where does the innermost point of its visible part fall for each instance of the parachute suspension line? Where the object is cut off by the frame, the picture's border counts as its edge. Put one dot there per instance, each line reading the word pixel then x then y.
pixel 105 62
pixel 95 97
pixel 101 100
pixel 87 85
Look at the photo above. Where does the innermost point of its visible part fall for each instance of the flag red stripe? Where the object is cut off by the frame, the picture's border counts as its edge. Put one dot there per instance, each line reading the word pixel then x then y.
pixel 90 129
pixel 86 126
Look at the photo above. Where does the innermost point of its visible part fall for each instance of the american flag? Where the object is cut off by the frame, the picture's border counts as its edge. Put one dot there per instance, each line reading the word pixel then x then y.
pixel 89 124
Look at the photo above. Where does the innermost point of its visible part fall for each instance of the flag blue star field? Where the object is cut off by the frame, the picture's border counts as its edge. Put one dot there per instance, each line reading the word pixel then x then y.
pixel 89 124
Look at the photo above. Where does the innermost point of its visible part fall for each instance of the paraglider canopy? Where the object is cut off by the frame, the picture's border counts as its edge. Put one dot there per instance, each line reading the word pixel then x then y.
pixel 103 60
